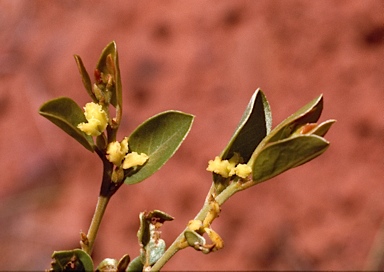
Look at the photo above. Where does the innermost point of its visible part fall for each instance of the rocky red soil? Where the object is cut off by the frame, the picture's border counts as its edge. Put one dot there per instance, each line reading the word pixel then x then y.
pixel 205 58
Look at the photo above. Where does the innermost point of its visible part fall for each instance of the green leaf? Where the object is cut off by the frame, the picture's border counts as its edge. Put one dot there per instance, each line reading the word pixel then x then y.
pixel 135 265
pixel 159 215
pixel 159 137
pixel 66 114
pixel 76 258
pixel 85 78
pixel 194 239
pixel 280 156
pixel 310 113
pixel 109 64
pixel 254 125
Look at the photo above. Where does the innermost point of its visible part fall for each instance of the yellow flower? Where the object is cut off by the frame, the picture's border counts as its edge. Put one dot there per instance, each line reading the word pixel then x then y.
pixel 116 151
pixel 228 168
pixel 97 119
pixel 134 159
pixel 243 170
pixel 221 167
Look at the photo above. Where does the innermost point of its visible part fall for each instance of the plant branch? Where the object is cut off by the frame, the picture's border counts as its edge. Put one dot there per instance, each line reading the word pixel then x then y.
pixel 87 245
pixel 180 242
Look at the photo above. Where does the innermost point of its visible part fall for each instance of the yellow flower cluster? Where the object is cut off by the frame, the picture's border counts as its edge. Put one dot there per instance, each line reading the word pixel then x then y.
pixel 97 119
pixel 117 154
pixel 228 168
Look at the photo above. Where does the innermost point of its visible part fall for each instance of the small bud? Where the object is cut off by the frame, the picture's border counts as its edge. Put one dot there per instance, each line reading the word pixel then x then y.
pixel 305 129
pixel 117 175
pixel 218 166
pixel 243 170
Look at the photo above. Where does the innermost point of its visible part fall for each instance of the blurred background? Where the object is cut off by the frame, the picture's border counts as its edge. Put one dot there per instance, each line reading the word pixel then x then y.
pixel 205 58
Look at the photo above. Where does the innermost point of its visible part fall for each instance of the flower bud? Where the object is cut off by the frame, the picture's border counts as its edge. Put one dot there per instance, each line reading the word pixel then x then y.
pixel 243 170
pixel 221 167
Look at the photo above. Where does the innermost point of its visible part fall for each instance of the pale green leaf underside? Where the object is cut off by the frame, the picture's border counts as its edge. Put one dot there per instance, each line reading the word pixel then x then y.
pixel 280 156
pixel 159 137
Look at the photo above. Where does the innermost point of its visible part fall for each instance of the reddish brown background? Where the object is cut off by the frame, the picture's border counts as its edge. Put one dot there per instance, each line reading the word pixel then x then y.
pixel 205 58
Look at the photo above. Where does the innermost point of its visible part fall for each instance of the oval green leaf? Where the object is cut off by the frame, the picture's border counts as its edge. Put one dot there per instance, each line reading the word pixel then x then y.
pixel 280 156
pixel 109 64
pixel 66 114
pixel 85 78
pixel 135 265
pixel 194 239
pixel 159 137
pixel 254 125
pixel 63 260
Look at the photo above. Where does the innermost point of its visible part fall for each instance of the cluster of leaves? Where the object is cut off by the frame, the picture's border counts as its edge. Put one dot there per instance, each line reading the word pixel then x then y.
pixel 296 140
pixel 255 146
pixel 158 137
pixel 267 152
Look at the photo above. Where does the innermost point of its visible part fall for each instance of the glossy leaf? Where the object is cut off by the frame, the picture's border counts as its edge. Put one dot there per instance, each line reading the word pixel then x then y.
pixel 280 156
pixel 123 263
pixel 254 125
pixel 85 78
pixel 77 258
pixel 159 137
pixel 66 114
pixel 109 64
